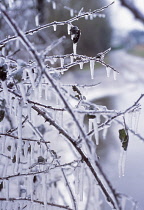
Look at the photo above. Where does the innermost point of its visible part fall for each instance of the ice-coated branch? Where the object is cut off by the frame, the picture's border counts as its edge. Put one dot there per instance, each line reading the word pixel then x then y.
pixel 114 202
pixel 37 202
pixel 121 113
pixel 24 139
pixel 50 167
pixel 32 31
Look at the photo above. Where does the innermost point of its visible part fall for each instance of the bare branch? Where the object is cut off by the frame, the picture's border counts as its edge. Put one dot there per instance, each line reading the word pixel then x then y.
pixel 136 12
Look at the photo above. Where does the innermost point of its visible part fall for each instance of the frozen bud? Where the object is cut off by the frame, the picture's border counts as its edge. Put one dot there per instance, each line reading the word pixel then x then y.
pixel 75 33
pixel 100 56
pixel 2 114
pixel 3 72
pixel 41 159
pixel 17 75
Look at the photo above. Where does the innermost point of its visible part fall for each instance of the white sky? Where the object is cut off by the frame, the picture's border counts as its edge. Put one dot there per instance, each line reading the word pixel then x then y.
pixel 123 19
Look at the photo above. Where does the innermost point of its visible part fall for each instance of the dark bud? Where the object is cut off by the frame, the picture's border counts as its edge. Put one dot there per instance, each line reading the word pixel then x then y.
pixel 10 85
pixel 100 56
pixel 14 159
pixel 75 33
pixel 3 72
pixel 9 148
pixel 41 159
pixel 34 179
pixel 1 186
pixel 92 116
pixel 2 114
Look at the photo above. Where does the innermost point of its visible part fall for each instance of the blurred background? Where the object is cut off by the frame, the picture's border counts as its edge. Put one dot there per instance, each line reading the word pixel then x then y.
pixel 123 31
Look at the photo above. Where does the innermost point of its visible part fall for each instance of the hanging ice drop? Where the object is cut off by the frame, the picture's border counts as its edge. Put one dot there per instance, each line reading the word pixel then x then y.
pixel 53 5
pixel 74 48
pixel 71 12
pixel 62 62
pixel 68 28
pixel 55 27
pixel 108 70
pixel 81 65
pixel 37 20
pixel 114 75
pixel 92 63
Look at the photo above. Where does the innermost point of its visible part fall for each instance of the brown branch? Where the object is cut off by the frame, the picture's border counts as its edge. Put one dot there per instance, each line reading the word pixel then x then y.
pixel 35 201
pixel 110 198
pixel 84 158
pixel 136 12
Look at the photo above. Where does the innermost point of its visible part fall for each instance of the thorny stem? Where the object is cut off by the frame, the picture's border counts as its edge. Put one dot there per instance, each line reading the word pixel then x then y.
pixel 39 172
pixel 24 139
pixel 115 203
pixel 36 201
pixel 83 156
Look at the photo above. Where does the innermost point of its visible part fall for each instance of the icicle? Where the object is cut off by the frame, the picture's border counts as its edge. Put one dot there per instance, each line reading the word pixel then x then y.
pixel 19 120
pixel 7 188
pixel 98 118
pixel 90 124
pixel 11 3
pixel 31 76
pixel 40 90
pixel 62 62
pixel 32 144
pixel 25 74
pixel 22 90
pixel 92 63
pixel 105 130
pixel 114 75
pixel 81 65
pixel 5 90
pixel 15 104
pixel 19 141
pixel 123 202
pixel 17 43
pixel 77 170
pixel 98 201
pixel 68 28
pixel 3 51
pixel 10 103
pixel 91 17
pixel 82 171
pixel 71 12
pixel 46 92
pixel 96 133
pixel 26 145
pixel 72 59
pixel 136 120
pixel 30 186
pixel 29 111
pixel 121 164
pixel 6 163
pixel 55 27
pixel 86 17
pixel 108 70
pixel 12 149
pixel 74 48
pixel 54 59
pixel 44 184
pixel 53 5
pixel 130 118
pixel 37 20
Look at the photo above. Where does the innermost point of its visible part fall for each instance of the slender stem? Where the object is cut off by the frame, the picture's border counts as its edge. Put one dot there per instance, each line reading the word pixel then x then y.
pixel 36 201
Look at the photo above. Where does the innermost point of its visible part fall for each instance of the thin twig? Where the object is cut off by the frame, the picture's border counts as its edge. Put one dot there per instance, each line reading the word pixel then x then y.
pixel 35 201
